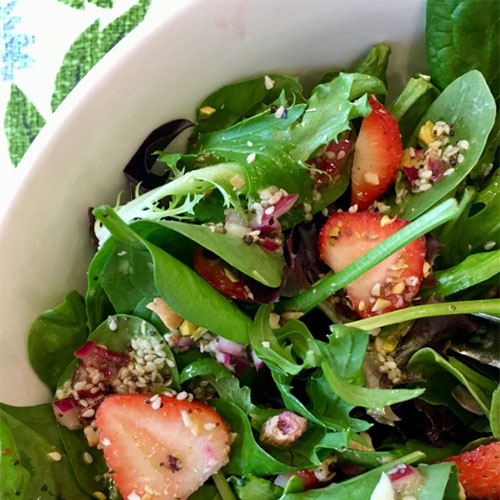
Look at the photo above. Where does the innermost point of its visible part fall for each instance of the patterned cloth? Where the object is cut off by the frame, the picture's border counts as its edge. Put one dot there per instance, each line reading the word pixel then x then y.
pixel 47 47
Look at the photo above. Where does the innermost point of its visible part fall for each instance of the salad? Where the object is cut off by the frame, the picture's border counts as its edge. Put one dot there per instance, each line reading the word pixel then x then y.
pixel 302 305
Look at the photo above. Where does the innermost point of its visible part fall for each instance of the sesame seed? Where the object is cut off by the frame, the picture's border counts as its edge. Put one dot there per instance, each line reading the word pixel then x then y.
pixel 460 158
pixel 55 456
pixel 156 404
pixel 112 325
pixel 308 217
pixel 463 144
pixel 340 154
pixel 210 426
pixel 170 363
pixel 88 413
pixel 251 157
pixel 353 209
pixel 280 112
pixel 448 172
pixel 489 245
pixel 88 458
pixel 266 344
pixel 80 385
pixel 133 496
pixel 182 395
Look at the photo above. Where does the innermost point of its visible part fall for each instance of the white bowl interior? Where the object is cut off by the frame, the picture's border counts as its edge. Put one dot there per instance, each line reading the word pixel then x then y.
pixel 157 74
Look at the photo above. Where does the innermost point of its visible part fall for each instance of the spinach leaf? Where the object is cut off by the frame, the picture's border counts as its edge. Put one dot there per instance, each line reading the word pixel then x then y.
pixel 462 35
pixel 252 260
pixel 177 284
pixel 409 107
pixel 473 270
pixel 466 103
pixel 319 125
pixel 250 487
pixel 241 99
pixel 246 455
pixel 495 413
pixel 262 145
pixel 365 397
pixel 54 336
pixel 360 487
pixel 43 477
pixel 375 62
pixel 441 377
pixel 432 453
pixel 489 155
pixel 441 482
pixel 370 459
pixel 332 283
pixel 206 492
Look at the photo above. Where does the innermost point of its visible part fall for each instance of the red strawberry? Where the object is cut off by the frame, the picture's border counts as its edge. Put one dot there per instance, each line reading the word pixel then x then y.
pixel 377 156
pixel 218 275
pixel 391 284
pixel 160 446
pixel 479 471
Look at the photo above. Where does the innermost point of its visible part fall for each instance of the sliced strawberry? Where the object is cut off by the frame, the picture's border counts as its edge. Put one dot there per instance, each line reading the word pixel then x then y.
pixel 160 446
pixel 479 471
pixel 377 156
pixel 391 284
pixel 218 275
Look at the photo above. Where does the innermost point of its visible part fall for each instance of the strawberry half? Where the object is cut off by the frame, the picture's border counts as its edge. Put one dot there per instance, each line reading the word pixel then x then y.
pixel 377 156
pixel 160 446
pixel 479 471
pixel 391 284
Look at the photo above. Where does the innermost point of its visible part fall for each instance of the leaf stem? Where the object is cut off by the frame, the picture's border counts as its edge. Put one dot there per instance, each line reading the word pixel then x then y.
pixel 490 306
pixel 224 489
pixel 334 282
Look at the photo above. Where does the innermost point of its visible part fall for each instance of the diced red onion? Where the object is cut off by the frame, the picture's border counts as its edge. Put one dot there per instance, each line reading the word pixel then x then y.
pixel 85 350
pixel 229 347
pixel 280 208
pixel 411 173
pixel 95 354
pixel 269 244
pixel 184 341
pixel 256 360
pixel 67 412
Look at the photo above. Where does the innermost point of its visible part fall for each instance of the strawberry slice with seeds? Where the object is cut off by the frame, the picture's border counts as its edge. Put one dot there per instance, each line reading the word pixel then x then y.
pixel 479 471
pixel 377 156
pixel 391 284
pixel 160 446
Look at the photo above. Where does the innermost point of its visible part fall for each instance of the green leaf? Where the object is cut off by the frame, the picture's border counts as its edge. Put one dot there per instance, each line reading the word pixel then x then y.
pixel 360 487
pixel 91 45
pixel 252 260
pixel 473 270
pixel 250 487
pixel 242 99
pixel 495 413
pixel 54 336
pixel 177 284
pixel 42 478
pixel 432 453
pixel 466 103
pixel 462 35
pixel 246 455
pixel 409 107
pixel 22 123
pixel 441 377
pixel 267 347
pixel 319 125
pixel 437 479
pixel 206 492
pixel 80 4
pixel 332 283
pixel 490 306
pixel 375 62
pixel 365 397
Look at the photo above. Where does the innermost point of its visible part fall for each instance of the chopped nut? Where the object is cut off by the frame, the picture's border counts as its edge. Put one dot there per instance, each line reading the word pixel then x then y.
pixel 283 430
pixel 398 288
pixel 371 178
pixel 274 321
pixel 207 110
pixel 168 316
pixel 426 269
pixel 187 328
pixel 380 305
pixel 91 436
pixel 425 136
pixel 237 181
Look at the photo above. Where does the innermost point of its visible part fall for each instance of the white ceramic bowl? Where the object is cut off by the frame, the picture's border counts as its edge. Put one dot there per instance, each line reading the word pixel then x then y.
pixel 158 73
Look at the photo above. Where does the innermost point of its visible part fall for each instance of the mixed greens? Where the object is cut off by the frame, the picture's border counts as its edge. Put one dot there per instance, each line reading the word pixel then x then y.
pixel 208 285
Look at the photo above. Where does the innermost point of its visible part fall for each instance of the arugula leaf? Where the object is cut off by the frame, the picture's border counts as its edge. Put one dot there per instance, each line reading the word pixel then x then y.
pixel 252 260
pixel 474 269
pixel 490 306
pixel 466 103
pixel 54 336
pixel 409 107
pixel 246 455
pixel 462 35
pixel 441 377
pixel 267 347
pixel 365 397
pixel 319 125
pixel 242 99
pixel 250 487
pixel 360 487
pixel 375 62
pixel 41 477
pixel 332 283
pixel 177 284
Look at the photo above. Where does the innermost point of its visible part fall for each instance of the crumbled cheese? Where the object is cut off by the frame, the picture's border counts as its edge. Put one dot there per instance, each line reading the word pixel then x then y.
pixel 55 455
pixel 268 82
